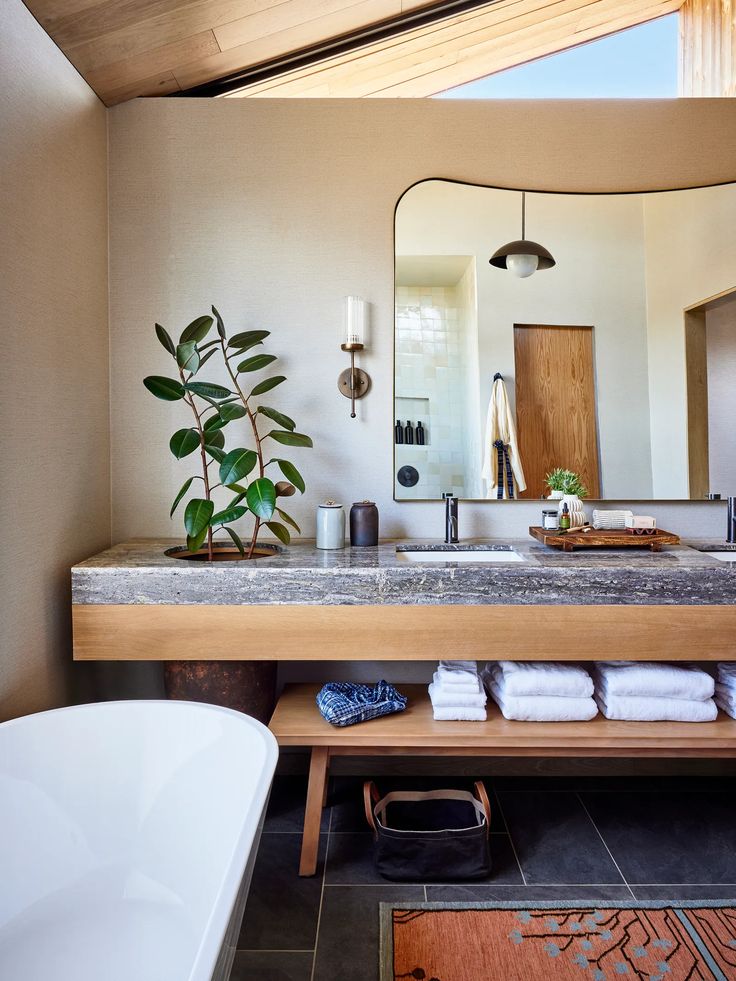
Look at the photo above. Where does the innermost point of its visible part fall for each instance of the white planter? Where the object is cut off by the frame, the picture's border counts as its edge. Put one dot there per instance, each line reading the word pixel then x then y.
pixel 576 509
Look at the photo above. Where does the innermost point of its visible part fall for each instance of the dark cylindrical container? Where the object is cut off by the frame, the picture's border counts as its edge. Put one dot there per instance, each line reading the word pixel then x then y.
pixel 364 524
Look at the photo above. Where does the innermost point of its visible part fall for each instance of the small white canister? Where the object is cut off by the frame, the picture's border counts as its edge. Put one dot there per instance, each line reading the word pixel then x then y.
pixel 330 525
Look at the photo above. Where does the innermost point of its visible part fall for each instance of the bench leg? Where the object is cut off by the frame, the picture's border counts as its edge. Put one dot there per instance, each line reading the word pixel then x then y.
pixel 316 791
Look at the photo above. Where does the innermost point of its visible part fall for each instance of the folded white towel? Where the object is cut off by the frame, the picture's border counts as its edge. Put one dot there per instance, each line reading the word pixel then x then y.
pixel 442 698
pixel 470 687
pixel 632 708
pixel 519 678
pixel 459 714
pixel 610 519
pixel 544 708
pixel 725 699
pixel 656 679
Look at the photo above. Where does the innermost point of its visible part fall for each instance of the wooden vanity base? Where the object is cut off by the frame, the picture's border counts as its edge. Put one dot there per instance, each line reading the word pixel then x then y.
pixel 413 732
pixel 403 633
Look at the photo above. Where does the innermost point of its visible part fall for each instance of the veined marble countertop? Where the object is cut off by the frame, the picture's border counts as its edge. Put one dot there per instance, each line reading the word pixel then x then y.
pixel 140 572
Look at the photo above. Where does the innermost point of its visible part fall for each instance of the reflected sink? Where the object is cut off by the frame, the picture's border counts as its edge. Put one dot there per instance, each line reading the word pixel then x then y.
pixel 477 555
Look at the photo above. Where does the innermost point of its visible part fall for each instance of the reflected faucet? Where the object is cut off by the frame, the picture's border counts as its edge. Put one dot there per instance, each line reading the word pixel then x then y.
pixel 731 530
pixel 451 505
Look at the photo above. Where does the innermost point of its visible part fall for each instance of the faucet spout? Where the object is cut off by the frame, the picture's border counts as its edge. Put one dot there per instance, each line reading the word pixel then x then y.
pixel 451 518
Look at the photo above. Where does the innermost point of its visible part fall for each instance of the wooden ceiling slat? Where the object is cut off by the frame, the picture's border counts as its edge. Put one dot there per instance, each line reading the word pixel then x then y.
pixel 274 45
pixel 127 48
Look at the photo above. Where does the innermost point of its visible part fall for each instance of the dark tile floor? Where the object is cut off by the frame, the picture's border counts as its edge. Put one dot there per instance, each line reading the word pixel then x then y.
pixel 552 839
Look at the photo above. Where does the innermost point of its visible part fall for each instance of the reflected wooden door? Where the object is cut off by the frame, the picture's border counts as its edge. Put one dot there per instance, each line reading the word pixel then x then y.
pixel 555 404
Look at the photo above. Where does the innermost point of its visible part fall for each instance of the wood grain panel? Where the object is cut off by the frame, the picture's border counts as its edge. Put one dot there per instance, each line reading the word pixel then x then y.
pixel 555 404
pixel 707 65
pixel 401 633
pixel 296 722
pixel 127 47
pixel 696 367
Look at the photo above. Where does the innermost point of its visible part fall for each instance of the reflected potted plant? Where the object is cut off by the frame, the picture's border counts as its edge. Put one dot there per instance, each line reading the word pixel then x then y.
pixel 240 478
pixel 566 487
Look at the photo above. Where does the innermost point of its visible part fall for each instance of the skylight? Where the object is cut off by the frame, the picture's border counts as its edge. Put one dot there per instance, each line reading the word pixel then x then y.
pixel 639 63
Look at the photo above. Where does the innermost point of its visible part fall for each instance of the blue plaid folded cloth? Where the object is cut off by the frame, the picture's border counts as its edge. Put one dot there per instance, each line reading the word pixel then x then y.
pixel 343 703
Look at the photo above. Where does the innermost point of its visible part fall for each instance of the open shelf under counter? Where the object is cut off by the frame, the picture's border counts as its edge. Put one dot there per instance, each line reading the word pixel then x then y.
pixel 413 732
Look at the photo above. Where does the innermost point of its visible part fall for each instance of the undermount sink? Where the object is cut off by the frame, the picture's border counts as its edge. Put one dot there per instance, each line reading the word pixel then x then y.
pixel 499 554
pixel 723 556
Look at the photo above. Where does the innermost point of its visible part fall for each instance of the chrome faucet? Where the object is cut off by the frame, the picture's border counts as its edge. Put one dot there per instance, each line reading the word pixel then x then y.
pixel 451 503
pixel 731 530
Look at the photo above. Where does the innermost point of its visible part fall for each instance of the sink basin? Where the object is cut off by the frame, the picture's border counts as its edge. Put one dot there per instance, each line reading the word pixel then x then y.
pixel 723 556
pixel 478 556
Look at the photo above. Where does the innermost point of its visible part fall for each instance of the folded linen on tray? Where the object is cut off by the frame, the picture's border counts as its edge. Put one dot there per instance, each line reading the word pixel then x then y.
pixel 652 708
pixel 543 708
pixel 657 680
pixel 442 698
pixel 458 713
pixel 519 678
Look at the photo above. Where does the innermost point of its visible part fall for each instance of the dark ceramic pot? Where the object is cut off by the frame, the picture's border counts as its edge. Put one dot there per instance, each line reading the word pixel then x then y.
pixel 246 686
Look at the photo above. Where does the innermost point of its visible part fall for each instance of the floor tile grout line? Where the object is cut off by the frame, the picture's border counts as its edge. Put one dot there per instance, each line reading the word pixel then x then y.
pixel 497 885
pixel 321 900
pixel 605 845
pixel 511 837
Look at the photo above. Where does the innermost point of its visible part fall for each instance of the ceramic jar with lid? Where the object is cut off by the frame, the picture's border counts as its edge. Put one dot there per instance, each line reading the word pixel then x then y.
pixel 364 524
pixel 330 525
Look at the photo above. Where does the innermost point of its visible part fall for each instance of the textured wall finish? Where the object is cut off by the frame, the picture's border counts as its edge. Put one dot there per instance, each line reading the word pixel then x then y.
pixel 54 439
pixel 275 210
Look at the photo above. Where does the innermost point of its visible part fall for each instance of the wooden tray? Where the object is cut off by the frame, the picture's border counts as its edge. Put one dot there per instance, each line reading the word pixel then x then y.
pixel 570 540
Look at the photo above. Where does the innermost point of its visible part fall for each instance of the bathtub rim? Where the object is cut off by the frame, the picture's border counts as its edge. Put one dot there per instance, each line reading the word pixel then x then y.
pixel 214 928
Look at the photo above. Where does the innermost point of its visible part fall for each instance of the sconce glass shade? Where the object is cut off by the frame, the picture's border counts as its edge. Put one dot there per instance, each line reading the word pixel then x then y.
pixel 355 322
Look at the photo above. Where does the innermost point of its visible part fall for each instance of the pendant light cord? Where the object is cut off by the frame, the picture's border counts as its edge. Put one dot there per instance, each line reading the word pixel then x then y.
pixel 523 215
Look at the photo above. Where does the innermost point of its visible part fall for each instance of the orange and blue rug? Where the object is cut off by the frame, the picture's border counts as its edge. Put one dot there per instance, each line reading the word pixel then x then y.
pixel 558 942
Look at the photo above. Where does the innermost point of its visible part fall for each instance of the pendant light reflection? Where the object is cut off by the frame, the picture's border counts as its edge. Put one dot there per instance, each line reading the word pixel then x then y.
pixel 523 257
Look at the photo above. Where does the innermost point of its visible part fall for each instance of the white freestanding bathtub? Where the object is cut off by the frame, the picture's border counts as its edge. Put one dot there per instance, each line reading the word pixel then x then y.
pixel 128 832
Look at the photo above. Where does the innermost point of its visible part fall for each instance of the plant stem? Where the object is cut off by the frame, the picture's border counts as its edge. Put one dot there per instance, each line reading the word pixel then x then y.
pixel 254 426
pixel 189 398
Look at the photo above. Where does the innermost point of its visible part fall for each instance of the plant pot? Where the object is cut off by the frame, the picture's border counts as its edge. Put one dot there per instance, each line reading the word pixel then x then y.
pixel 555 495
pixel 575 507
pixel 246 686
pixel 222 552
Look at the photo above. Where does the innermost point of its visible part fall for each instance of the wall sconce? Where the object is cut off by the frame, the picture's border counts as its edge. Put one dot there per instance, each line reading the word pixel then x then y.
pixel 354 383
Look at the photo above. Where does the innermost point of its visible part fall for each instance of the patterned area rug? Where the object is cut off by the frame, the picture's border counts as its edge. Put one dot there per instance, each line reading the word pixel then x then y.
pixel 558 942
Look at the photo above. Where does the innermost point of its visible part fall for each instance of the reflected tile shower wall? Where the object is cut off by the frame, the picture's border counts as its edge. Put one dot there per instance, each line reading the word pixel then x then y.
pixel 432 325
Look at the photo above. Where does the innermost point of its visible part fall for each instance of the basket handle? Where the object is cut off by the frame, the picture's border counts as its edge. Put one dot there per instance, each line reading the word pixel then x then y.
pixel 370 797
pixel 481 794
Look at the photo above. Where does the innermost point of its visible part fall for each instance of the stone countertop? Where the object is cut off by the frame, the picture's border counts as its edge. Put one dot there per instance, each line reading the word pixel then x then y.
pixel 140 572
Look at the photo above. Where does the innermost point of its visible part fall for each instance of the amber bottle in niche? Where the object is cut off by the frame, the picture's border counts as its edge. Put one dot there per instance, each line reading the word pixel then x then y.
pixel 364 524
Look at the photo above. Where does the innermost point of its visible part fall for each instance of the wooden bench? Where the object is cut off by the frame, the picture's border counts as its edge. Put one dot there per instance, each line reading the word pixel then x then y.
pixel 413 732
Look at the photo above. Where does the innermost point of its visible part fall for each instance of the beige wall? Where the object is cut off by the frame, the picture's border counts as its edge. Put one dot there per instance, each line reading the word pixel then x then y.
pixel 275 210
pixel 54 437
pixel 703 223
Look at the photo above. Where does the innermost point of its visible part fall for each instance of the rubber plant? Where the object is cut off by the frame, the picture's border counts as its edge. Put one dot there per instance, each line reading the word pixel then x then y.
pixel 215 407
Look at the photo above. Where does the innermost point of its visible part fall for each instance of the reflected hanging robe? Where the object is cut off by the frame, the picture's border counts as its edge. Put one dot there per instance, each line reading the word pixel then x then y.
pixel 502 468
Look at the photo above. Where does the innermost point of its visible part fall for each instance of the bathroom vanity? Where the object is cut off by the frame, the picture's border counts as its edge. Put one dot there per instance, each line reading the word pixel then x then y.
pixel 406 601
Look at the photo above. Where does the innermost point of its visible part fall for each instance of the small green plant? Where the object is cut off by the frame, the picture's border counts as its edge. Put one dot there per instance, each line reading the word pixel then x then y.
pixel 214 407
pixel 566 482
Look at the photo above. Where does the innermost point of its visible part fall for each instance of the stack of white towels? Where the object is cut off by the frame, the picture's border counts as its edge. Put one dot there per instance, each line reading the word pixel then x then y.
pixel 651 692
pixel 457 693
pixel 726 687
pixel 540 691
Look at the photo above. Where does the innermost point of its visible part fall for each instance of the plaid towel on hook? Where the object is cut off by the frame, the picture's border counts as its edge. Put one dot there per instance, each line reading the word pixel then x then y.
pixel 343 703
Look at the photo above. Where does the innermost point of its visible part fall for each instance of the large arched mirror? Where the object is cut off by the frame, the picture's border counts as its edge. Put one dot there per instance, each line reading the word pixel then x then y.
pixel 616 363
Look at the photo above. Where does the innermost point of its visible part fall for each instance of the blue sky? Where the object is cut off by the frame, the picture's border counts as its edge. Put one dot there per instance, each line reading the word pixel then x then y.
pixel 640 63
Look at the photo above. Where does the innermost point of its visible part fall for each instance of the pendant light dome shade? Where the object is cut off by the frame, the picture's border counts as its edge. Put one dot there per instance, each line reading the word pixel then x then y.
pixel 523 257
